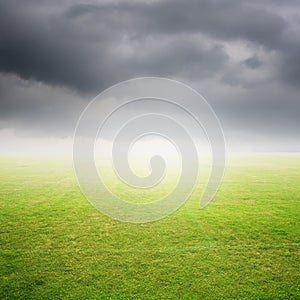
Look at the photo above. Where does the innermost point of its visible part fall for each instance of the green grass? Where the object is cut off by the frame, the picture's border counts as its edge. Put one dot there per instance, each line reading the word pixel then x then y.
pixel 244 245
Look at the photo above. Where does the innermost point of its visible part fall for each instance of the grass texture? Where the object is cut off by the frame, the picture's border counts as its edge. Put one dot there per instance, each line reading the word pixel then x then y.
pixel 243 245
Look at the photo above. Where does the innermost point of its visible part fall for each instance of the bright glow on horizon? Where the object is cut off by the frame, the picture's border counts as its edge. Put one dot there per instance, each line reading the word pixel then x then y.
pixel 11 141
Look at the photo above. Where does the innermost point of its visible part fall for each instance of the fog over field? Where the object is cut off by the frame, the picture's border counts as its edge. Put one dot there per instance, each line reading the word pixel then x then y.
pixel 242 56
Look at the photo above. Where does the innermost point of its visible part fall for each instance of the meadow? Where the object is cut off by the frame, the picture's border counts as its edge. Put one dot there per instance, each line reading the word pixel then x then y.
pixel 244 245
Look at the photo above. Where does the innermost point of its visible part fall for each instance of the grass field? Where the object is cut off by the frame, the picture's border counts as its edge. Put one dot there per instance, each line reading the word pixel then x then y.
pixel 244 245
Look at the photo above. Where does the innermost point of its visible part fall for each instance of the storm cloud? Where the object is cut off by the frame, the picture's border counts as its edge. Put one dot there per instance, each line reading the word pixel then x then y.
pixel 243 56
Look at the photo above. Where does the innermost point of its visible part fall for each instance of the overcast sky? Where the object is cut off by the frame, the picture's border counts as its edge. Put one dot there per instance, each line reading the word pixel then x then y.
pixel 242 56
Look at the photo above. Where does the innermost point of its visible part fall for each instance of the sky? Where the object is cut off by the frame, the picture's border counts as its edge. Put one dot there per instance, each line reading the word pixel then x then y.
pixel 242 56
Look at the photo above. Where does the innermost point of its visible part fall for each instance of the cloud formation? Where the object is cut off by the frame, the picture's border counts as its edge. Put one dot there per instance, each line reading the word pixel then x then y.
pixel 243 56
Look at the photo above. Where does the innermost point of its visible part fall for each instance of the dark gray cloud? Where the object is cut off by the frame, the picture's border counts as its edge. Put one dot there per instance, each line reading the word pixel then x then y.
pixel 55 55
pixel 253 62
pixel 34 107
pixel 90 46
